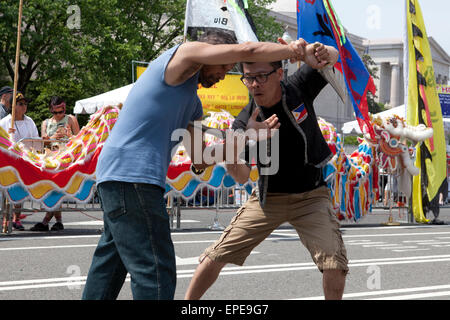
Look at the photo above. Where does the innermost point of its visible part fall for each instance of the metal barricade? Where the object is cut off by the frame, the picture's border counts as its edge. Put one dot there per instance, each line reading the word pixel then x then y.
pixel 208 199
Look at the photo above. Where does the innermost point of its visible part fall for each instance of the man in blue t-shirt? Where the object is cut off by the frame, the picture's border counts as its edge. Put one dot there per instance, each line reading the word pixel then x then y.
pixel 133 164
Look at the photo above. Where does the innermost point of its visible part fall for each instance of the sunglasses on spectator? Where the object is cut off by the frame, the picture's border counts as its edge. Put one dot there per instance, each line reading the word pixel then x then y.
pixel 58 112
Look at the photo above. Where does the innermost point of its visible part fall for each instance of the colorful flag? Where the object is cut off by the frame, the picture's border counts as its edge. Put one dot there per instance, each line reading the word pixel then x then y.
pixel 318 22
pixel 423 107
pixel 228 15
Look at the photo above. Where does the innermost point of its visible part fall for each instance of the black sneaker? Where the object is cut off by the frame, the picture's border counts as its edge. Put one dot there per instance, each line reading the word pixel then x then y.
pixel 437 222
pixel 18 226
pixel 39 227
pixel 58 226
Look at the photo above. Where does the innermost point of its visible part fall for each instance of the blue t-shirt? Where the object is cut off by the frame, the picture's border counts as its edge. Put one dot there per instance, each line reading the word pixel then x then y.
pixel 139 148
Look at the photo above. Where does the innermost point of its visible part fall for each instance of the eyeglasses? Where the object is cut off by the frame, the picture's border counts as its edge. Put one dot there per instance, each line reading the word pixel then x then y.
pixel 22 104
pixel 260 78
pixel 58 112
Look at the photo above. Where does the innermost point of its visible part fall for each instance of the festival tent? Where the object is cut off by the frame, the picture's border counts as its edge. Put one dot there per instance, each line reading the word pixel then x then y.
pixel 352 127
pixel 92 104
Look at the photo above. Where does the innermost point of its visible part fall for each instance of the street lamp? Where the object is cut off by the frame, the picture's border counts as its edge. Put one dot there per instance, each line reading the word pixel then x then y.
pixel 286 37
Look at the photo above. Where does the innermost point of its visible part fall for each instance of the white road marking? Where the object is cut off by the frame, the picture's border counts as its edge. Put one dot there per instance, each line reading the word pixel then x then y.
pixel 72 281
pixel 194 260
pixel 394 234
pixel 399 247
pixel 380 246
pixel 175 234
pixel 47 238
pixel 416 296
pixel 49 247
pixel 366 243
pixel 100 223
pixel 406 250
pixel 84 223
pixel 388 292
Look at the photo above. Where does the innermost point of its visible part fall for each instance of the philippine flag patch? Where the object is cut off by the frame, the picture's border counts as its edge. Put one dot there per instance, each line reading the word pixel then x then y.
pixel 300 113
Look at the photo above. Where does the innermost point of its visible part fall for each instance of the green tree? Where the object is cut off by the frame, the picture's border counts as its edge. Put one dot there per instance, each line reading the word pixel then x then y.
pixel 59 57
pixel 374 107
pixel 267 28
pixel 77 51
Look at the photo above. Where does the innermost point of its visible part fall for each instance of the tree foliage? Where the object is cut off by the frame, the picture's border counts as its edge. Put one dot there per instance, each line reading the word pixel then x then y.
pixel 374 107
pixel 267 29
pixel 77 51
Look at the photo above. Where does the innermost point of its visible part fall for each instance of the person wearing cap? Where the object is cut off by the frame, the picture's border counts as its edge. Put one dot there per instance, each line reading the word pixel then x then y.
pixel 24 127
pixel 5 105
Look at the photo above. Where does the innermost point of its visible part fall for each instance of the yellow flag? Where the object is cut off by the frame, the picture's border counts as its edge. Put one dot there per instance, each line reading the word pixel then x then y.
pixel 423 107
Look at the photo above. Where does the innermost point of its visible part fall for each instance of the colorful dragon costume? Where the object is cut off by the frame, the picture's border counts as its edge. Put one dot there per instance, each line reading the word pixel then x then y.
pixel 51 177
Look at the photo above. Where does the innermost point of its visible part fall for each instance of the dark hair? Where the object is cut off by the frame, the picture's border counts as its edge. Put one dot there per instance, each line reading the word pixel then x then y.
pixel 54 101
pixel 275 64
pixel 218 37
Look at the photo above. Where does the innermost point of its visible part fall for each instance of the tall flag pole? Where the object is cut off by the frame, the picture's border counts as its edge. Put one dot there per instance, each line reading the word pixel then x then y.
pixel 16 66
pixel 317 21
pixel 230 15
pixel 423 107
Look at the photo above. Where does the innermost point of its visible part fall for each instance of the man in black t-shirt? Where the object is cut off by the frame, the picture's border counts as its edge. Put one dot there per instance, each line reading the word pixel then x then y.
pixel 296 192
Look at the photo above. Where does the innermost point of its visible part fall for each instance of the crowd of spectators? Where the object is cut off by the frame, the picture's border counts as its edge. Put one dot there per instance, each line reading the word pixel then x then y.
pixel 55 131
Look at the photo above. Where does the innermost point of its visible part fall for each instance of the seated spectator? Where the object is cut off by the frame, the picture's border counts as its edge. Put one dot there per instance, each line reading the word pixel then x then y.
pixel 59 127
pixel 24 127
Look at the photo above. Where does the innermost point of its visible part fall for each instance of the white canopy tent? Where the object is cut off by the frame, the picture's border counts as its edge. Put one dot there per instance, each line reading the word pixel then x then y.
pixel 92 104
pixel 352 127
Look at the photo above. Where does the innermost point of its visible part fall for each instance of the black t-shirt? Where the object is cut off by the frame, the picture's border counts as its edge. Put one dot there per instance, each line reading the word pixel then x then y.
pixel 293 175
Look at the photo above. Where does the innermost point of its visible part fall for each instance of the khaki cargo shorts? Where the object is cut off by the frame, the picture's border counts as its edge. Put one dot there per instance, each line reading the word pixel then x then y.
pixel 311 215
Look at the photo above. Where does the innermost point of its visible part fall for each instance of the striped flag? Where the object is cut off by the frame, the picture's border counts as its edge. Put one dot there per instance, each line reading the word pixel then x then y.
pixel 423 107
pixel 318 22
pixel 230 15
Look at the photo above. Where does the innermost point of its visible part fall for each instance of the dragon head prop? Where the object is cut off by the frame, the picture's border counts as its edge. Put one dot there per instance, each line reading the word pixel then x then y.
pixel 391 142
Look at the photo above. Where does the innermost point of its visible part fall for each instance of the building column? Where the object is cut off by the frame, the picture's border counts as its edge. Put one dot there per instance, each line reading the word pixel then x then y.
pixel 383 87
pixel 395 82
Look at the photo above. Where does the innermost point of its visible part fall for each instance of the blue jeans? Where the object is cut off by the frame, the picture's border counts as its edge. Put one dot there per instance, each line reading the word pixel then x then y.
pixel 137 240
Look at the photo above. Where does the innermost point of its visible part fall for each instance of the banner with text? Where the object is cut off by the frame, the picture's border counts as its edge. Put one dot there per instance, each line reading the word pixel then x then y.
pixel 444 98
pixel 229 94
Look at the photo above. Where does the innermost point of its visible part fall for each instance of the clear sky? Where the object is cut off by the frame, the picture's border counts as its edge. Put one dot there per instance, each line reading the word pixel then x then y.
pixel 384 19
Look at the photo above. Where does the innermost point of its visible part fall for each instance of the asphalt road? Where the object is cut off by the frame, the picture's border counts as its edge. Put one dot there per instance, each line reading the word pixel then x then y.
pixel 403 262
